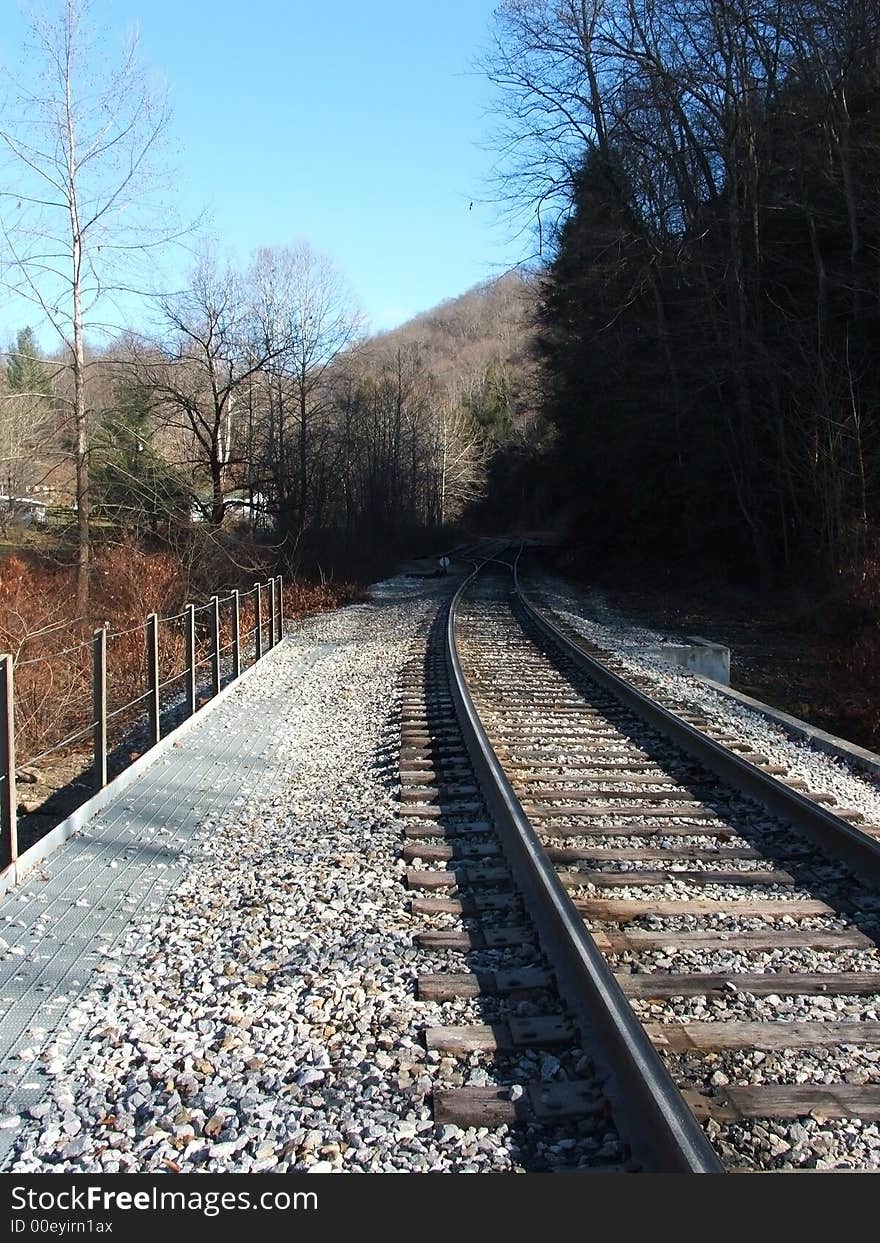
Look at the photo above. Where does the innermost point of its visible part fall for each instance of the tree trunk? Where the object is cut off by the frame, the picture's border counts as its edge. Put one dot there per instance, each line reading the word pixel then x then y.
pixel 83 559
pixel 218 506
pixel 80 422
pixel 303 449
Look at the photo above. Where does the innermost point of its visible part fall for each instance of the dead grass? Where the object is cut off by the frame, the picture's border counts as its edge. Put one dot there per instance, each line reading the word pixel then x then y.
pixel 301 598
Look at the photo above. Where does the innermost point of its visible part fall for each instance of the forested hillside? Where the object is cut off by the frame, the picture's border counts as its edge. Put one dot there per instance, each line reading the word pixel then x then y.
pixel 710 322
pixel 259 409
pixel 479 352
pixel 704 179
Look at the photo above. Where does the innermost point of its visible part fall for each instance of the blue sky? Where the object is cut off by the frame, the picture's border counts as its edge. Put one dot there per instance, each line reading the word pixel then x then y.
pixel 354 124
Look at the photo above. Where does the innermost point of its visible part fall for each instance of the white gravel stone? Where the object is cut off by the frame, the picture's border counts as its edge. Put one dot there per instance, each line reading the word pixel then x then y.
pixel 264 1015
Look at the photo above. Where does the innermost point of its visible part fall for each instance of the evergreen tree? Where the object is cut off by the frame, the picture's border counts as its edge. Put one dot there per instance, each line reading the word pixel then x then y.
pixel 26 370
pixel 24 416
pixel 133 486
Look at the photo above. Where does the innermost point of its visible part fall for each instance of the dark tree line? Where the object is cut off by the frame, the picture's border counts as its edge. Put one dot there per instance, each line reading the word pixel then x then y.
pixel 709 326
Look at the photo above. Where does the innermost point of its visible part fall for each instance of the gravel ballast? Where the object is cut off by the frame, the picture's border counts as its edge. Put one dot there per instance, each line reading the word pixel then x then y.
pixel 262 1016
pixel 264 1019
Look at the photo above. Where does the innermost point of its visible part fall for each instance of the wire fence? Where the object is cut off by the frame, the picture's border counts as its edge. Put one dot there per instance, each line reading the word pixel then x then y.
pixel 130 687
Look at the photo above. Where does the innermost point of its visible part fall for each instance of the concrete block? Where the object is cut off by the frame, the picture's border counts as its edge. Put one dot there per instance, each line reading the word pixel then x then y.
pixel 698 656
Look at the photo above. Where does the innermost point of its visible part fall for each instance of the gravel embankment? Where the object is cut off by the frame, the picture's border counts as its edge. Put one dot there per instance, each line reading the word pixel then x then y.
pixel 264 1019
pixel 822 773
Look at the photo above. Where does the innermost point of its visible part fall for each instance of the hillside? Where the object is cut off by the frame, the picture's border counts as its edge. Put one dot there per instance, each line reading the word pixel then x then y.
pixel 475 353
pixel 487 328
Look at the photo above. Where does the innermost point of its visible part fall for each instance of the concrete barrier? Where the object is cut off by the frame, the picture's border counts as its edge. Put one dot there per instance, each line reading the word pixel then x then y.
pixel 820 739
pixel 699 656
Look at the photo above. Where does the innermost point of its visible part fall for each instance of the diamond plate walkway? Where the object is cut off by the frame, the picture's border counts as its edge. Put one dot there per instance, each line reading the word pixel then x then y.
pixel 62 925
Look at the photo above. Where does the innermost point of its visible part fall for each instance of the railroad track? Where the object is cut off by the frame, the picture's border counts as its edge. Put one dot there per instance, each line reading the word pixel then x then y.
pixel 675 937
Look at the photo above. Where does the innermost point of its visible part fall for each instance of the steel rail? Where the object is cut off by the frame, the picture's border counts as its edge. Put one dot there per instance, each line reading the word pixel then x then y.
pixel 645 1100
pixel 830 832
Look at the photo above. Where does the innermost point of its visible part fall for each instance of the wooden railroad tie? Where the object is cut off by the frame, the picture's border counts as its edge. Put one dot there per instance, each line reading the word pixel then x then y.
pixel 622 910
pixel 449 878
pixel 648 854
pixel 451 806
pixel 530 757
pixel 435 751
pixel 637 940
pixel 712 1037
pixel 716 832
pixel 475 939
pixel 431 828
pixel 539 1032
pixel 473 984
pixel 573 879
pixel 434 740
pixel 781 1100
pixel 685 810
pixel 479 904
pixel 539 1102
pixel 659 984
pixel 513 707
pixel 436 854
pixel 672 793
pixel 433 794
pixel 427 772
pixel 625 769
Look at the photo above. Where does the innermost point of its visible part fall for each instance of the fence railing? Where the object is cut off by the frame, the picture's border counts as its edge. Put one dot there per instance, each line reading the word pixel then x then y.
pixel 205 638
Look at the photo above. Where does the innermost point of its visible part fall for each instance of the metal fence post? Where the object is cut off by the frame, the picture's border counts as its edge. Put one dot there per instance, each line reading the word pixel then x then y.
pixel 8 801
pixel 280 607
pixel 153 677
pixel 236 634
pixel 99 708
pixel 215 645
pixel 190 669
pixel 258 621
pixel 271 586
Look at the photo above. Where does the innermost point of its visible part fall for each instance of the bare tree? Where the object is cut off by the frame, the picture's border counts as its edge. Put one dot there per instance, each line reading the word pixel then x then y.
pixel 458 459
pixel 80 142
pixel 546 61
pixel 305 297
pixel 204 366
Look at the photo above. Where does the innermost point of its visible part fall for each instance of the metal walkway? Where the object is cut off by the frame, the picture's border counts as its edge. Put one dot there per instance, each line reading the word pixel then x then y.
pixel 59 930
